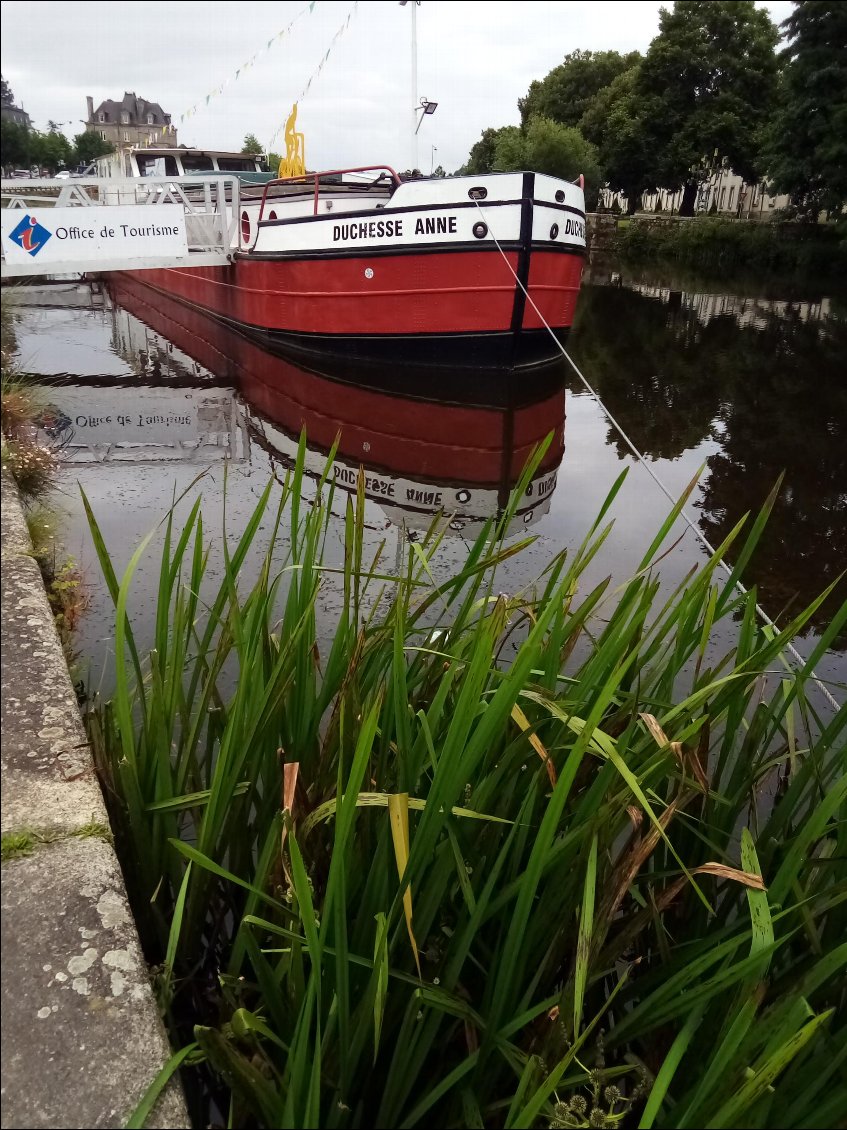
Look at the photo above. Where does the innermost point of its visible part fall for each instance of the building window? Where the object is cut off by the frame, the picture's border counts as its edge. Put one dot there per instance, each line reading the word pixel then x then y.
pixel 126 135
pixel 723 198
pixel 103 134
pixel 101 117
pixel 150 119
pixel 124 118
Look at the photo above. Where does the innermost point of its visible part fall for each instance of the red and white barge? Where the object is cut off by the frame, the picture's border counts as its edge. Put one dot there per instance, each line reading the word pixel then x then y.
pixel 358 272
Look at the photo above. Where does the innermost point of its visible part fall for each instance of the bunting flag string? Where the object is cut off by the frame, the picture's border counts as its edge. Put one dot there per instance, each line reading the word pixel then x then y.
pixel 316 73
pixel 246 66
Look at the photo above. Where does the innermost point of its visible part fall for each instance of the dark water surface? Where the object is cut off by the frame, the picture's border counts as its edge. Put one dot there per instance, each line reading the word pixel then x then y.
pixel 145 395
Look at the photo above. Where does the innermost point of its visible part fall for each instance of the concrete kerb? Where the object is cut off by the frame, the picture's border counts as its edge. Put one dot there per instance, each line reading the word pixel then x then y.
pixel 82 1036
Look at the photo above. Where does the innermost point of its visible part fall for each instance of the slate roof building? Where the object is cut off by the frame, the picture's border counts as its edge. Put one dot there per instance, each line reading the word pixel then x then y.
pixel 131 122
pixel 16 114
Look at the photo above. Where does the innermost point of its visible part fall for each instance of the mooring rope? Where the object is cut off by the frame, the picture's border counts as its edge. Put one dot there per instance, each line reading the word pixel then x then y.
pixel 698 533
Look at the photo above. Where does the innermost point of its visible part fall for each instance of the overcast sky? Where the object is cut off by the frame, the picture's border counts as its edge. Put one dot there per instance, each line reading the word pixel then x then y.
pixel 475 59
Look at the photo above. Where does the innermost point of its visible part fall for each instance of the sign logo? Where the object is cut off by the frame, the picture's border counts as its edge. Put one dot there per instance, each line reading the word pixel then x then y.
pixel 30 235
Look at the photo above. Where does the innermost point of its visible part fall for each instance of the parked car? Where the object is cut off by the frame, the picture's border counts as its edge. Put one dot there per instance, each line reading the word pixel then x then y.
pixel 63 174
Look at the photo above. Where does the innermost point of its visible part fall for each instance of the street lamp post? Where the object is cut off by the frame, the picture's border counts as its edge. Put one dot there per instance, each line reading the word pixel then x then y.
pixel 415 123
pixel 432 159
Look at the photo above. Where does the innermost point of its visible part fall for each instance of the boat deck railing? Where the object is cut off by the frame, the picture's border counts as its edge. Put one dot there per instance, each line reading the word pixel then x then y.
pixel 210 205
pixel 315 179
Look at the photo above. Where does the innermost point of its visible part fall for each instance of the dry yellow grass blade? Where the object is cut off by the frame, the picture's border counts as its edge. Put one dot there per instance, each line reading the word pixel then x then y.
pixel 398 813
pixel 536 743
pixel 690 760
pixel 290 771
pixel 748 878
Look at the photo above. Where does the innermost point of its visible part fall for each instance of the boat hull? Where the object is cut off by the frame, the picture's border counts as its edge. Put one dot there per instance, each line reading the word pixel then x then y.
pixel 410 289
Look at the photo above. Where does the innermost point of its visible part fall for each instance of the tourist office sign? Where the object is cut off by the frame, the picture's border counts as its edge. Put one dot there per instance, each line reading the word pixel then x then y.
pixel 123 234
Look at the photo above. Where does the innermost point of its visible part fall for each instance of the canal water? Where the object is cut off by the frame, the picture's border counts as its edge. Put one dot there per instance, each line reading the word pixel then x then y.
pixel 731 384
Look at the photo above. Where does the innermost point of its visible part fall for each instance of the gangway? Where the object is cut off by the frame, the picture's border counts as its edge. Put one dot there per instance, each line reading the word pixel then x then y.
pixel 97 224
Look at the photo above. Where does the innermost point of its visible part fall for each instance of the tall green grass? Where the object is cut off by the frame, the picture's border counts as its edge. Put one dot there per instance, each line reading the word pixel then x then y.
pixel 404 882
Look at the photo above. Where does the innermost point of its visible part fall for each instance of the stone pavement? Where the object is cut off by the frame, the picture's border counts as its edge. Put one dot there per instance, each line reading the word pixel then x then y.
pixel 82 1038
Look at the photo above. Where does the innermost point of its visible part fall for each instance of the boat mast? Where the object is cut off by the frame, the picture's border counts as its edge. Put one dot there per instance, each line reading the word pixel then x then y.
pixel 414 104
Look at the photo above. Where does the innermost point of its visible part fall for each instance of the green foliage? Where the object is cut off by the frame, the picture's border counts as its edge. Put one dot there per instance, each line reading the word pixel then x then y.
pixel 15 145
pixel 707 83
pixel 716 243
pixel 7 98
pixel 548 147
pixel 51 150
pixel 33 468
pixel 615 123
pixel 806 142
pixel 16 845
pixel 89 145
pixel 412 879
pixel 482 155
pixel 569 91
pixel 251 144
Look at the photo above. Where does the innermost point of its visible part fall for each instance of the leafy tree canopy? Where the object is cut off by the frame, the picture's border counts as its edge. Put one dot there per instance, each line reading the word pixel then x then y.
pixel 251 144
pixel 481 159
pixel 7 98
pixel 89 145
pixel 615 124
pixel 568 91
pixel 14 145
pixel 549 147
pixel 708 82
pixel 806 143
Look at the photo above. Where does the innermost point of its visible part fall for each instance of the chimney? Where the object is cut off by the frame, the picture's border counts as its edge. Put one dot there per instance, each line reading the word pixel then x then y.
pixel 90 104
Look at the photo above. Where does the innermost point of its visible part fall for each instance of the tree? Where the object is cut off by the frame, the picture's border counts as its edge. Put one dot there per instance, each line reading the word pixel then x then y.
pixel 6 96
pixel 89 145
pixel 549 147
pixel 251 144
pixel 481 158
pixel 15 145
pixel 52 150
pixel 569 89
pixel 615 124
pixel 708 82
pixel 806 144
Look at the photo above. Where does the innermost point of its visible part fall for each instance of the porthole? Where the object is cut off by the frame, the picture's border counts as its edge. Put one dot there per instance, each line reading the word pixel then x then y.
pixel 554 231
pixel 527 518
pixel 245 227
pixel 480 230
pixel 478 193
pixel 463 496
pixel 560 196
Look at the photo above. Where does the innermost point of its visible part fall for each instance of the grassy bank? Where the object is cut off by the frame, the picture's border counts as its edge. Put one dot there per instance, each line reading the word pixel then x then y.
pixel 717 244
pixel 447 874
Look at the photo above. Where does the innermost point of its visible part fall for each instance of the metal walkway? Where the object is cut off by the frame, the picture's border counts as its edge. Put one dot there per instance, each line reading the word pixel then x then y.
pixel 91 224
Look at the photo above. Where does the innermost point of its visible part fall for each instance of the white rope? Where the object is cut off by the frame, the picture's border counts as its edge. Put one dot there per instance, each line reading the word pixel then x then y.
pixel 698 533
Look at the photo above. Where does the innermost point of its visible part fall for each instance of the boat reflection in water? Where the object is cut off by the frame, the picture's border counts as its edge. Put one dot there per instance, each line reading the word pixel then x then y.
pixel 204 393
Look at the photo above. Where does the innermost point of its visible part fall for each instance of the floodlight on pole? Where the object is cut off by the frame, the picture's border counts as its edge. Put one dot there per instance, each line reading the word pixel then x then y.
pixel 426 107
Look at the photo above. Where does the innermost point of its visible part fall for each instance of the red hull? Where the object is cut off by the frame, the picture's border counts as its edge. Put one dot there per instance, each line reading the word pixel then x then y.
pixel 445 443
pixel 467 292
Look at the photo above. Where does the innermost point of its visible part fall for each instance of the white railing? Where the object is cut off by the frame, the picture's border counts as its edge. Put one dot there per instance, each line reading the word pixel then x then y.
pixel 210 205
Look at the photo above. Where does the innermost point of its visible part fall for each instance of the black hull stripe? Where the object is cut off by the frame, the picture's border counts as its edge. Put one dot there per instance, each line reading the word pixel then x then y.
pixel 433 249
pixel 369 213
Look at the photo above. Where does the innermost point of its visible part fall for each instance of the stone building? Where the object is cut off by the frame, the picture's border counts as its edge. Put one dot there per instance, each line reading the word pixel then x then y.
pixel 131 123
pixel 723 192
pixel 16 114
